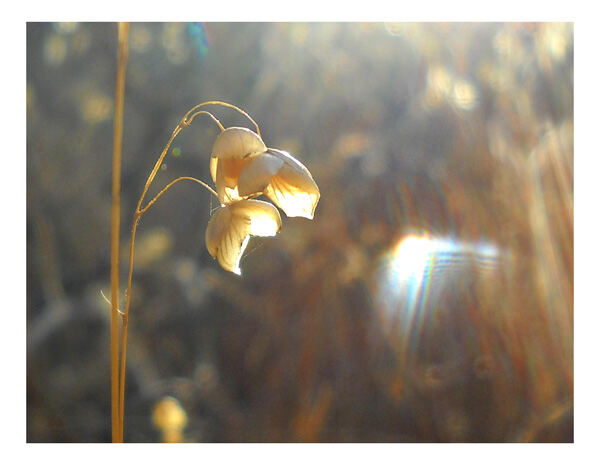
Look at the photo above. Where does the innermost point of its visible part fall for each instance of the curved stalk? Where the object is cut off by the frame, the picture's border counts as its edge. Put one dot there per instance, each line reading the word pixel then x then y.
pixel 177 180
pixel 222 104
pixel 185 121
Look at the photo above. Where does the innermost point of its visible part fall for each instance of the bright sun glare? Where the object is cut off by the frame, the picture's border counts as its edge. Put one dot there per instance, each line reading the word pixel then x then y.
pixel 420 268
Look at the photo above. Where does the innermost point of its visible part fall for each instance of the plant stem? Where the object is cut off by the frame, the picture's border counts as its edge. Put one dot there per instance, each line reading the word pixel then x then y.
pixel 117 432
pixel 185 121
pixel 177 180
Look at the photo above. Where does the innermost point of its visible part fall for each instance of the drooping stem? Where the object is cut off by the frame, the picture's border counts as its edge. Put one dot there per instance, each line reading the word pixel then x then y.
pixel 222 104
pixel 177 180
pixel 116 426
pixel 189 120
pixel 185 121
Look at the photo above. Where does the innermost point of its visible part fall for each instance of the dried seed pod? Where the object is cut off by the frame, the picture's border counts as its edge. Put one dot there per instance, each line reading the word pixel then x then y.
pixel 231 226
pixel 283 179
pixel 230 152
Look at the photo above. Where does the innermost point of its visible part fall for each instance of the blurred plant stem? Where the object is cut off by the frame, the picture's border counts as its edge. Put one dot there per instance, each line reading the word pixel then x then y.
pixel 116 407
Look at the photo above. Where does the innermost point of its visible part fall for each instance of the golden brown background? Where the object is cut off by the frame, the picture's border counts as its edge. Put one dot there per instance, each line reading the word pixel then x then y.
pixel 431 298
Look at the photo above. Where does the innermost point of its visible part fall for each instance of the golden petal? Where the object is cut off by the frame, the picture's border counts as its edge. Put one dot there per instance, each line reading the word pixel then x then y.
pixel 213 168
pixel 217 225
pixel 293 188
pixel 257 172
pixel 230 227
pixel 237 143
pixel 227 173
pixel 263 216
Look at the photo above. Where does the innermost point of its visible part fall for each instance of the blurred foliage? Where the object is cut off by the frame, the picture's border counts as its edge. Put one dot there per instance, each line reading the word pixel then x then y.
pixel 453 130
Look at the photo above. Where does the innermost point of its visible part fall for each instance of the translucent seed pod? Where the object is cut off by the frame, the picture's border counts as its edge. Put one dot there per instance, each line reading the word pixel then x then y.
pixel 231 226
pixel 283 179
pixel 231 150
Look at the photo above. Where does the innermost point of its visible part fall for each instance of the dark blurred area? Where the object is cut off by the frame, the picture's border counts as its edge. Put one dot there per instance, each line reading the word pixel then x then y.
pixel 430 299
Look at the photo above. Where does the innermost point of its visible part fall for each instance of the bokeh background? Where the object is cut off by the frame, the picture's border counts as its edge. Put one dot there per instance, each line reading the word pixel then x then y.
pixel 430 299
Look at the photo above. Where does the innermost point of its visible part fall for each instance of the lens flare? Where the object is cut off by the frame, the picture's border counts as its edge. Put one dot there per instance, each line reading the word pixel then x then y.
pixel 198 33
pixel 423 276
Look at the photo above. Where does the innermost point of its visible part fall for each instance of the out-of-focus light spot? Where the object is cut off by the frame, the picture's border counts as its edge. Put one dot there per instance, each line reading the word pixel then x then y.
pixel 192 280
pixel 173 40
pixel 354 264
pixel 81 42
pixel 440 79
pixel 464 95
pixel 151 247
pixel 299 33
pixel 170 418
pixel 350 145
pixel 509 47
pixel 55 50
pixel 506 43
pixel 439 86
pixel 66 27
pixel 96 107
pixel 557 46
pixel 456 425
pixel 555 38
pixel 140 38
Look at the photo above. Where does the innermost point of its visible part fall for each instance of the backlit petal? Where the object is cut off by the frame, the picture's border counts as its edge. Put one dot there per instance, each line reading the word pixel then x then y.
pixel 216 228
pixel 213 168
pixel 227 173
pixel 264 217
pixel 230 227
pixel 293 188
pixel 256 174
pixel 237 143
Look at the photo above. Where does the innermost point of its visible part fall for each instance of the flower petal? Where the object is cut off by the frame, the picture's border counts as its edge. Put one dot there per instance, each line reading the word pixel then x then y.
pixel 257 172
pixel 264 217
pixel 227 174
pixel 237 143
pixel 216 228
pixel 232 148
pixel 230 227
pixel 293 188
pixel 213 168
